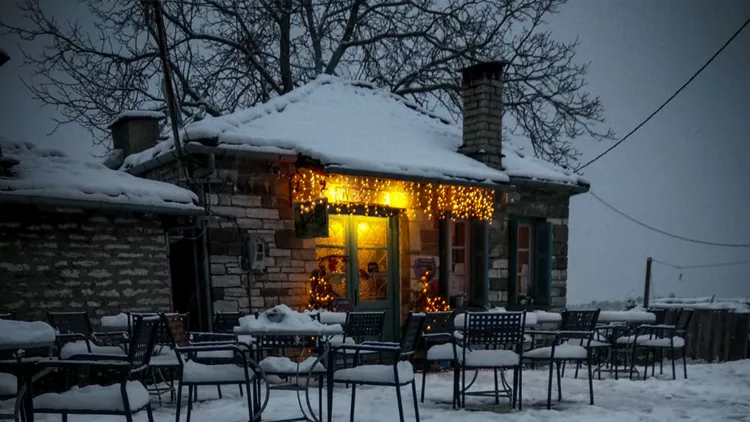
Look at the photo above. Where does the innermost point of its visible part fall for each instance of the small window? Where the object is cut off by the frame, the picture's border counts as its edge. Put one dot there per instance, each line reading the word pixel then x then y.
pixel 459 255
pixel 524 261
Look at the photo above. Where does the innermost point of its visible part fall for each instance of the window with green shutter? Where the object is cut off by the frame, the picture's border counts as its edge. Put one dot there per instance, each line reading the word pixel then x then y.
pixel 530 262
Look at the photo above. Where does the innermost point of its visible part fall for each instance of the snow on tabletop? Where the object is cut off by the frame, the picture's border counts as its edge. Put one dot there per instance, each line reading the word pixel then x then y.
pixel 80 348
pixel 376 373
pixel 49 173
pixel 626 316
pixel 345 124
pixel 284 365
pixel 134 114
pixel 293 322
pixel 25 333
pixel 328 317
pixel 95 397
pixel 8 384
pixel 198 372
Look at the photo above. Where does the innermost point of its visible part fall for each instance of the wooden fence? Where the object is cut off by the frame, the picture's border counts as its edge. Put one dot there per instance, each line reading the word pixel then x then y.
pixel 718 335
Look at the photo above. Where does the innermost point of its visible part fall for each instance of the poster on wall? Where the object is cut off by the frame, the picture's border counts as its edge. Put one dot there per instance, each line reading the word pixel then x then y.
pixel 422 265
pixel 311 219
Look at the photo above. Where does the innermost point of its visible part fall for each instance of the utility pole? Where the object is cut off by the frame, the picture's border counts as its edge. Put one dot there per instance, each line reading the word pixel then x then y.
pixel 647 287
pixel 161 40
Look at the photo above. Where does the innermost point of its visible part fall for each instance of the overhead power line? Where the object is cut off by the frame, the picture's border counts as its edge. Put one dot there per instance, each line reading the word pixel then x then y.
pixel 690 267
pixel 666 233
pixel 655 112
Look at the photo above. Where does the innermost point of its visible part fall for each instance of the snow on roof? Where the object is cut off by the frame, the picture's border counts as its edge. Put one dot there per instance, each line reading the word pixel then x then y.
pixel 354 125
pixel 518 164
pixel 50 174
pixel 135 114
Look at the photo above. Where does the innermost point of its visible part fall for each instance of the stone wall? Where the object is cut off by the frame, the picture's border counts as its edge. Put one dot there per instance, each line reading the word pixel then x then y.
pixel 71 260
pixel 533 203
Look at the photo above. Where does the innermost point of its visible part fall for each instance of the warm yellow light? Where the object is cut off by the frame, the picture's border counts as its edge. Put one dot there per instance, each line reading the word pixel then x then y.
pixel 363 227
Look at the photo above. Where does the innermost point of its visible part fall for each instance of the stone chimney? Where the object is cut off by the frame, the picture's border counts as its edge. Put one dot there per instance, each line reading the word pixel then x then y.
pixel 482 94
pixel 135 131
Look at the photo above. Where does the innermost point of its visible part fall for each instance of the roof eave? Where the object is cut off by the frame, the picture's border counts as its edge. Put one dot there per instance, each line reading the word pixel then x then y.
pixel 572 189
pixel 498 186
pixel 97 205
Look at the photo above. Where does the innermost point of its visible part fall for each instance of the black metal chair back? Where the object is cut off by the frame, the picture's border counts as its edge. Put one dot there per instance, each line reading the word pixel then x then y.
pixel 582 321
pixel 342 304
pixel 661 315
pixel 439 323
pixel 411 334
pixel 164 334
pixel 71 322
pixel 362 326
pixel 142 342
pixel 224 322
pixel 176 327
pixel 494 330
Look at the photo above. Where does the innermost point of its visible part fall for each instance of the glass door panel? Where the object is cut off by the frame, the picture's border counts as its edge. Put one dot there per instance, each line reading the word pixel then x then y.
pixel 335 245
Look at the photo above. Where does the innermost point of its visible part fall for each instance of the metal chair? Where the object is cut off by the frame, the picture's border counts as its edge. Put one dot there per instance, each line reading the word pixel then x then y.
pixel 491 340
pixel 127 391
pixel 76 336
pixel 215 363
pixel 571 343
pixel 398 374
pixel 439 342
pixel 665 337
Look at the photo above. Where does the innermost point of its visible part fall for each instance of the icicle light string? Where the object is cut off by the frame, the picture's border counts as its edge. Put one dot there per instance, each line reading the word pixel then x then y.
pixel 380 197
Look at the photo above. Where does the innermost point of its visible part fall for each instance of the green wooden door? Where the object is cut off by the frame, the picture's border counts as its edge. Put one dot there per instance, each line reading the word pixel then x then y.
pixel 370 275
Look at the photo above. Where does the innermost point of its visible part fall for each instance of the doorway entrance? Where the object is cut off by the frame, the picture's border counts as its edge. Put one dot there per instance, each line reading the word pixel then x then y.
pixel 369 274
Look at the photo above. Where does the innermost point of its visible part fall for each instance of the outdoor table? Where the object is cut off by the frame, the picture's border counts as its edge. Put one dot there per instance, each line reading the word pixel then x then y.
pixel 617 323
pixel 16 339
pixel 312 331
pixel 328 317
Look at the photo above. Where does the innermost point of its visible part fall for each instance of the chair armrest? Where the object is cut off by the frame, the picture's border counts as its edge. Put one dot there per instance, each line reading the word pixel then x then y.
pixel 213 347
pixel 202 337
pixel 658 326
pixel 97 356
pixel 72 336
pixel 111 362
pixel 438 336
pixel 371 347
pixel 541 332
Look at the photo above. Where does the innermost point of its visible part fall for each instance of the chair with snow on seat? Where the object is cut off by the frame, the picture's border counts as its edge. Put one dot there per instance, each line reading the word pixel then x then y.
pixel 571 343
pixel 211 363
pixel 127 397
pixel 658 338
pixel 398 374
pixel 439 342
pixel 360 327
pixel 76 336
pixel 491 340
pixel 273 358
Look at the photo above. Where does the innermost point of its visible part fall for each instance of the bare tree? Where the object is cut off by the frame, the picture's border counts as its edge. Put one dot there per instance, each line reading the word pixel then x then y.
pixel 229 54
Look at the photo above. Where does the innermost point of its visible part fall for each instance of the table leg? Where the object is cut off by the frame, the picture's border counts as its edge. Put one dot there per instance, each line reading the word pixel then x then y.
pixel 28 398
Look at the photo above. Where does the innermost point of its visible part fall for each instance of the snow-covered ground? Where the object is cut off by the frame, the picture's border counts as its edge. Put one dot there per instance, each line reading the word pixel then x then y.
pixel 713 392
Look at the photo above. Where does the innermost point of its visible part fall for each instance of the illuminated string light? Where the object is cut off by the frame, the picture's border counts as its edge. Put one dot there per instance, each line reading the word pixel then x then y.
pixel 384 197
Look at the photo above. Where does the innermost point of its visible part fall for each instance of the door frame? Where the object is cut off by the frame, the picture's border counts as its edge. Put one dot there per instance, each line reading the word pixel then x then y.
pixel 393 302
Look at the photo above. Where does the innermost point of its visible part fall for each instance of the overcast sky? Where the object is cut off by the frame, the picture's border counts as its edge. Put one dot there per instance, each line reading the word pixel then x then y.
pixel 686 171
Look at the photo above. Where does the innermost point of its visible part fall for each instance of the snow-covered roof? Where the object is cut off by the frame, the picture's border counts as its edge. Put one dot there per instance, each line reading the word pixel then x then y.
pixel 50 176
pixel 353 125
pixel 135 114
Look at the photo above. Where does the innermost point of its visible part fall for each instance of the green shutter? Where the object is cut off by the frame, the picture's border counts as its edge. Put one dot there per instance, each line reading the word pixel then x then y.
pixel 513 262
pixel 479 263
pixel 542 270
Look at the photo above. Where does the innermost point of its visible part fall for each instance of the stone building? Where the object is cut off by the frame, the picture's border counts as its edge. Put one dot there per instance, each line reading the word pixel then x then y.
pixel 405 192
pixel 79 236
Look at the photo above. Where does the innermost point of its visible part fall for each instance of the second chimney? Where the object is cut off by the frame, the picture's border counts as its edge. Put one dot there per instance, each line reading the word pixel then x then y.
pixel 482 95
pixel 135 131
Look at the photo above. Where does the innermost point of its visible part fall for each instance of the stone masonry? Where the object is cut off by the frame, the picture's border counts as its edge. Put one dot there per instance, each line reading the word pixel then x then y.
pixel 68 260
pixel 534 203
